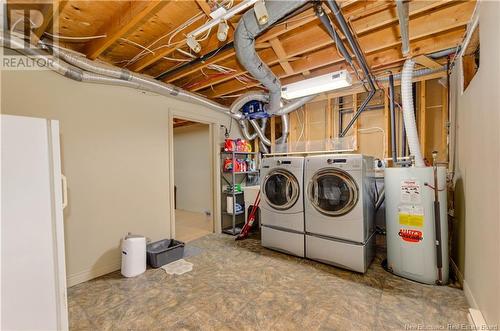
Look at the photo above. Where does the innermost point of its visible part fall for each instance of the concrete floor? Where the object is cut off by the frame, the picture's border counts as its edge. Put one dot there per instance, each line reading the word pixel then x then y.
pixel 190 225
pixel 242 286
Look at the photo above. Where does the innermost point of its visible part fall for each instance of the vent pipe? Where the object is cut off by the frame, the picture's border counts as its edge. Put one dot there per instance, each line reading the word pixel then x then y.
pixel 394 150
pixel 403 15
pixel 244 41
pixel 409 114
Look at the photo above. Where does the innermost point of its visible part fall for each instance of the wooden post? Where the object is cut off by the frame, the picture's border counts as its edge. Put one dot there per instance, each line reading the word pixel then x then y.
pixel 329 120
pixel 292 130
pixel 387 125
pixel 336 114
pixel 273 134
pixel 356 124
pixel 306 129
pixel 445 126
pixel 422 113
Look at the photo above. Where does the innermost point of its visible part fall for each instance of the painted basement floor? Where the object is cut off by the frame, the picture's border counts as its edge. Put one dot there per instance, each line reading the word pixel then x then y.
pixel 242 286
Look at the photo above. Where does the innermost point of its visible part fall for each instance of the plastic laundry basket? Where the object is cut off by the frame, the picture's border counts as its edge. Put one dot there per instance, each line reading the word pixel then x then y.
pixel 164 252
pixel 133 255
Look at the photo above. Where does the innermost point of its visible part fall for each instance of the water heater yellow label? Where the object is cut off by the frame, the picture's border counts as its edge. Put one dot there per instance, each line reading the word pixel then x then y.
pixel 411 220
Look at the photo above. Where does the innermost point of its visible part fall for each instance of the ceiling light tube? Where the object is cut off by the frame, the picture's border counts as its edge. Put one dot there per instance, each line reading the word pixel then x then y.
pixel 332 81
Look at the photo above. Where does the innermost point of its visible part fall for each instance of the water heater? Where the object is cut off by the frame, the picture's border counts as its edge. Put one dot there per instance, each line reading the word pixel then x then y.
pixel 415 215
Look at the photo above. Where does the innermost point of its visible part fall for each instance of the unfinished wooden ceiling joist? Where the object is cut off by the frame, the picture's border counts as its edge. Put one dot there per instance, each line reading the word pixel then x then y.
pixel 150 37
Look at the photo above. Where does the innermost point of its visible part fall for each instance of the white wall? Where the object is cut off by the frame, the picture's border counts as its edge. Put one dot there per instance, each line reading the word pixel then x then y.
pixel 477 169
pixel 192 168
pixel 115 154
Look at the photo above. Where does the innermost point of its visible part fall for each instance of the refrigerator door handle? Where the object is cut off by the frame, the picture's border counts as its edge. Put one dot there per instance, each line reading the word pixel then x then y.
pixel 64 191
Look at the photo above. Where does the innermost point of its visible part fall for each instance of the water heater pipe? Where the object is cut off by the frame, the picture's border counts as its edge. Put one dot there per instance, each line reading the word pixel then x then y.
pixel 394 149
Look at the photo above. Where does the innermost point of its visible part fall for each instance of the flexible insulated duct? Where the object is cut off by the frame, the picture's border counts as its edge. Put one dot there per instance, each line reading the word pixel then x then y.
pixel 142 82
pixel 244 40
pixel 402 7
pixel 162 88
pixel 409 113
pixel 79 68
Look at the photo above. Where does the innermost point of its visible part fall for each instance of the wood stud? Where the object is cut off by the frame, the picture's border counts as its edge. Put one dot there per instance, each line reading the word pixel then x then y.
pixel 422 119
pixel 387 124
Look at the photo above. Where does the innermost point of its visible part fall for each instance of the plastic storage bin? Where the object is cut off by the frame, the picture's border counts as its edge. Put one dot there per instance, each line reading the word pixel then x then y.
pixel 164 252
pixel 133 255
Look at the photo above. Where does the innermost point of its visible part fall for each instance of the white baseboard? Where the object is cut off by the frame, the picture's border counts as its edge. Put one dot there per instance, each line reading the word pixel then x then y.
pixel 468 295
pixel 475 316
pixel 92 273
pixel 476 319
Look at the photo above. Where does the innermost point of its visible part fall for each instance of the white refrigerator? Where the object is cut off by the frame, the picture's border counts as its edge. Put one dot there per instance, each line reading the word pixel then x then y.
pixel 33 274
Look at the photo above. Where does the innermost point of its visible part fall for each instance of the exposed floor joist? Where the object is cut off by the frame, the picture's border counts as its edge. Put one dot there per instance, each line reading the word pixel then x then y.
pixel 293 49
pixel 437 21
pixel 132 15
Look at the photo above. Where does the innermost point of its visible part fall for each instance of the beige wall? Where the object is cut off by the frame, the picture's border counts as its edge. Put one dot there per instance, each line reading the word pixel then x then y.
pixel 477 174
pixel 115 154
pixel 192 169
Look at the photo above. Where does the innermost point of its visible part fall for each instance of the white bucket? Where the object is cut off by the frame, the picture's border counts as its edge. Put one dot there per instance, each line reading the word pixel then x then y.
pixel 133 255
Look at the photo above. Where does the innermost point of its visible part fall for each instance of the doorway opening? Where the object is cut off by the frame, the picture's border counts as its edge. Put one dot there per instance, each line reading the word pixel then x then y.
pixel 193 191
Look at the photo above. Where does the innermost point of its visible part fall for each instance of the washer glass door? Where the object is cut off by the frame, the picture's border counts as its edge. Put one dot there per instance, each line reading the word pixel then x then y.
pixel 333 192
pixel 281 189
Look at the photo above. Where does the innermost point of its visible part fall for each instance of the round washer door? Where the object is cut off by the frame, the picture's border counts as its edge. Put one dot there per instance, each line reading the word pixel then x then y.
pixel 281 189
pixel 332 192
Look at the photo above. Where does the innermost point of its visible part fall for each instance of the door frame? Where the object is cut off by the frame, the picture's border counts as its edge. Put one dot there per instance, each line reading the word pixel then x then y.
pixel 214 137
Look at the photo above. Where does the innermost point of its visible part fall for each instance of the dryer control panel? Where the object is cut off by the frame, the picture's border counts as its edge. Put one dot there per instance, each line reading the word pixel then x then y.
pixel 345 162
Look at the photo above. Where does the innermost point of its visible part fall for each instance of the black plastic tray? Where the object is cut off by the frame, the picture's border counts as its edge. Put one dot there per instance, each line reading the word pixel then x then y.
pixel 164 252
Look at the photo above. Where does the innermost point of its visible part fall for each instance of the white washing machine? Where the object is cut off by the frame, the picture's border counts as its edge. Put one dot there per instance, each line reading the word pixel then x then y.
pixel 340 210
pixel 282 205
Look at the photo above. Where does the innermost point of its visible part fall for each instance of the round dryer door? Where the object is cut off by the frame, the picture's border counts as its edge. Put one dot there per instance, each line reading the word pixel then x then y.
pixel 333 192
pixel 281 189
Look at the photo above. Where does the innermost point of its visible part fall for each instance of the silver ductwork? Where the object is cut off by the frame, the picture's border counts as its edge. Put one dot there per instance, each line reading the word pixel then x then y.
pixel 79 68
pixel 161 88
pixel 260 133
pixel 285 130
pixel 244 40
pixel 294 105
pixel 143 82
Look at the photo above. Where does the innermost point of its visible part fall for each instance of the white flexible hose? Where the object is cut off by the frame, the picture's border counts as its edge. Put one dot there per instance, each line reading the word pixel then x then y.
pixel 409 114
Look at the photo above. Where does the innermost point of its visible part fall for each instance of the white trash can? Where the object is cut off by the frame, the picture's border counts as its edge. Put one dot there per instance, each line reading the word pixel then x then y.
pixel 133 255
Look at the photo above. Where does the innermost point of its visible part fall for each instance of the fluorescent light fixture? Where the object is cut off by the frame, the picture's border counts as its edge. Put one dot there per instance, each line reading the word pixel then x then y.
pixel 332 81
